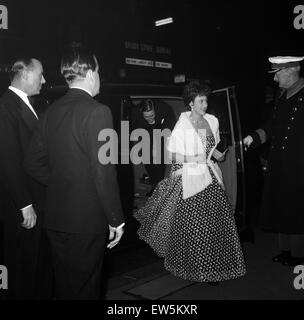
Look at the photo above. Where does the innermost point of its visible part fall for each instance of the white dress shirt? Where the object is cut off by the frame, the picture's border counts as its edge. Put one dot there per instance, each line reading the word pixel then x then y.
pixel 24 98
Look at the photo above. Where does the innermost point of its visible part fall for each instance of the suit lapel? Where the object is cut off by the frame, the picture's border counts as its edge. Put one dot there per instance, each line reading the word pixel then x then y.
pixel 26 114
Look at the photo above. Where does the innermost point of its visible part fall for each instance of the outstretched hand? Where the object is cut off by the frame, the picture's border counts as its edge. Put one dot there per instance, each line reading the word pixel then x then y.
pixel 247 141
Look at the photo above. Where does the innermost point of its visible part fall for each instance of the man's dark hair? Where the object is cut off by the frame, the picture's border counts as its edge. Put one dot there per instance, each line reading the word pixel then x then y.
pixel 146 105
pixel 19 66
pixel 193 89
pixel 76 62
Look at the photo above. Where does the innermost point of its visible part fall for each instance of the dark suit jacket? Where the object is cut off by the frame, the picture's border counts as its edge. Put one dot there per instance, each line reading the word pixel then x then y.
pixel 82 194
pixel 17 124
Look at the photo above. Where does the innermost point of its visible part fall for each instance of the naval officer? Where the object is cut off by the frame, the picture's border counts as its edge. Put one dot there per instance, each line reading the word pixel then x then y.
pixel 283 203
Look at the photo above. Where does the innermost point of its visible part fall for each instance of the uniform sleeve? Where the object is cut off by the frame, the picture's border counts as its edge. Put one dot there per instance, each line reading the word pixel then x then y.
pixel 11 161
pixel 104 175
pixel 262 134
pixel 265 132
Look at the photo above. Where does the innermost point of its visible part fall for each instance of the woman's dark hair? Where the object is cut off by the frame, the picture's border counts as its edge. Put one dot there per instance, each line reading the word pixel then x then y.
pixel 146 105
pixel 194 89
pixel 76 62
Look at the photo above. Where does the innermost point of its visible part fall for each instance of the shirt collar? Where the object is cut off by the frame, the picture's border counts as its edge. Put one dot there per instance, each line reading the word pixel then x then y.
pixel 75 87
pixel 24 97
pixel 20 93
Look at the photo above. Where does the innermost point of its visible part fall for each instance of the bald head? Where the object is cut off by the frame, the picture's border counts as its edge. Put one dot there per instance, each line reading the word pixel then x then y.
pixel 27 75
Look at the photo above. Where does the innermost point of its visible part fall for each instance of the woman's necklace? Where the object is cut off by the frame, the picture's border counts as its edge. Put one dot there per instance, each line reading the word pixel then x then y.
pixel 200 124
pixel 197 121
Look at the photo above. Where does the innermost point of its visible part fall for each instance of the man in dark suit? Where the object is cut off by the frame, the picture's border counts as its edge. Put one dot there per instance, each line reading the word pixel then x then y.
pixel 22 197
pixel 154 115
pixel 82 202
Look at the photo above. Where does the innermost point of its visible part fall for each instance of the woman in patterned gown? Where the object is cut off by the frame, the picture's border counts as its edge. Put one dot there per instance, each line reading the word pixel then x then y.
pixel 188 220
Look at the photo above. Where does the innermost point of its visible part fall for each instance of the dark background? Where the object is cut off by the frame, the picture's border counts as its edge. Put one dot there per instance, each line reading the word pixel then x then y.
pixel 225 42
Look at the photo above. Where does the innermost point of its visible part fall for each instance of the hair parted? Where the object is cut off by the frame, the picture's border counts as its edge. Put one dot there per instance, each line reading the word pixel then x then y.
pixel 76 62
pixel 193 89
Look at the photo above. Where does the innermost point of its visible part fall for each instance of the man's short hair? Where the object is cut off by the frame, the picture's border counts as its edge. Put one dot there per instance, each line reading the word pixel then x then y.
pixel 146 105
pixel 76 62
pixel 19 66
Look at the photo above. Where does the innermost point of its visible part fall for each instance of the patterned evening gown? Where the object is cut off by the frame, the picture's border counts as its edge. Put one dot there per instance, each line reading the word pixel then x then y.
pixel 197 237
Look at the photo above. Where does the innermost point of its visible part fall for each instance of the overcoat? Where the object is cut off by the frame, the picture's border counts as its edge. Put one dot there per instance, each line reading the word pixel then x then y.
pixel 283 205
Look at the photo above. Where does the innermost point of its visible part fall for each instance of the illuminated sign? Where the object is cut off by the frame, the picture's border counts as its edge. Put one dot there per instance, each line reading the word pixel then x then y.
pixel 179 78
pixel 139 62
pixel 164 65
pixel 163 21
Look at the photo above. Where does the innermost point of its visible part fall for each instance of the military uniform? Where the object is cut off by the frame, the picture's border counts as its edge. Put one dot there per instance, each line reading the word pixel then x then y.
pixel 283 203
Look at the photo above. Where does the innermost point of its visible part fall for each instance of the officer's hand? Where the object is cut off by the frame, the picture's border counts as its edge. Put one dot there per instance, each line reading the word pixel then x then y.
pixel 247 142
pixel 29 217
pixel 115 234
